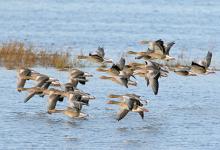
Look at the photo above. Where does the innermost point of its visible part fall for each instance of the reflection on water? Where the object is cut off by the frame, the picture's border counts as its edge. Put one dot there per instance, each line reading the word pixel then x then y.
pixel 185 114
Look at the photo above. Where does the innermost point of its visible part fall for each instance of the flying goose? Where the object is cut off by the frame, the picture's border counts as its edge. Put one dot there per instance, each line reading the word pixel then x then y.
pixel 128 104
pixel 115 68
pixel 23 72
pixel 202 67
pixel 152 74
pixel 97 57
pixel 123 79
pixel 74 106
pixel 159 45
pixel 157 50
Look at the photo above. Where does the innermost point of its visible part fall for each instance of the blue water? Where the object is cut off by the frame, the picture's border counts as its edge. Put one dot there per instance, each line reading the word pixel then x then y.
pixel 116 24
pixel 184 115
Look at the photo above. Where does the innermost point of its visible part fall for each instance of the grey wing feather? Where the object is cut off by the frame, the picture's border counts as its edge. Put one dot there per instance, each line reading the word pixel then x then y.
pixel 21 82
pixel 168 47
pixel 101 52
pixel 124 81
pixel 41 81
pixel 208 59
pixel 52 101
pixel 121 114
pixel 159 47
pixel 154 83
pixel 30 95
pixel 141 113
pixel 121 63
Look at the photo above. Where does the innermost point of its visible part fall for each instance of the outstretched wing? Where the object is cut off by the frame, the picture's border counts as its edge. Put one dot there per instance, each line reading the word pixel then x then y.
pixel 41 80
pixel 159 47
pixel 153 80
pixel 141 113
pixel 121 63
pixel 208 59
pixel 121 114
pixel 168 47
pixel 100 51
pixel 30 95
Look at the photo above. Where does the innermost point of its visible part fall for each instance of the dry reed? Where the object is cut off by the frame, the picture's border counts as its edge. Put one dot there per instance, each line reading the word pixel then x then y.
pixel 16 54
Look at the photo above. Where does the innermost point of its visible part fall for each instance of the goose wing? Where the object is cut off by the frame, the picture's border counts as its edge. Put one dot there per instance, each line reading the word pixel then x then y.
pixel 208 59
pixel 75 73
pixel 30 95
pixel 52 101
pixel 41 80
pixel 141 113
pixel 100 51
pixel 20 83
pixel 121 63
pixel 159 47
pixel 153 81
pixel 121 114
pixel 168 47
pixel 124 81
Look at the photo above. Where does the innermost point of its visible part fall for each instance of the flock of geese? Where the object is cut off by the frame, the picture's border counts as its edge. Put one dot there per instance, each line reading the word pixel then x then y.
pixel 119 72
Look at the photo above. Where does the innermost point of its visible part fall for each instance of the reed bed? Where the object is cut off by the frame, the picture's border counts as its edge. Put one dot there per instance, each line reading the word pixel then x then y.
pixel 16 54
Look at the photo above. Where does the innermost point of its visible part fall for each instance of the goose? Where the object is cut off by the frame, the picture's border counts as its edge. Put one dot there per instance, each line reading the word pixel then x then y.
pixel 77 95
pixel 115 68
pixel 118 68
pixel 70 112
pixel 97 57
pixel 40 78
pixel 42 81
pixel 73 109
pixel 77 76
pixel 23 72
pixel 54 97
pixel 152 75
pixel 202 67
pixel 151 72
pixel 75 100
pixel 132 95
pixel 122 79
pixel 157 50
pixel 128 104
pixel 37 91
pixel 76 73
pixel 142 69
pixel 159 45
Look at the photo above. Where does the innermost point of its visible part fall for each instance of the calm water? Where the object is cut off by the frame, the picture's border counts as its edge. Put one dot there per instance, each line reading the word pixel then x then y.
pixel 185 114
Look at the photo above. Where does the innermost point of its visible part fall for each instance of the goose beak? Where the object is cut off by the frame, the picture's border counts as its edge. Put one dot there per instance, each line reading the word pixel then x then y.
pixel 86 74
pixel 145 110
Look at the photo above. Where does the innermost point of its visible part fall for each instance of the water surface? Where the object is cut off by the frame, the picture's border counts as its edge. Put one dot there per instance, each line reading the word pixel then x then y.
pixel 184 115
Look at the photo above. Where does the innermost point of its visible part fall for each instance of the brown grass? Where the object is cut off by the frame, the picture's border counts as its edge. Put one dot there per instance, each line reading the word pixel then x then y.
pixel 16 54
